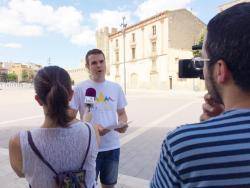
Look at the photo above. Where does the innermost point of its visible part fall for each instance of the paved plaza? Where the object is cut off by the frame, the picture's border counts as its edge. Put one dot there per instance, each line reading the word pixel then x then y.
pixel 153 113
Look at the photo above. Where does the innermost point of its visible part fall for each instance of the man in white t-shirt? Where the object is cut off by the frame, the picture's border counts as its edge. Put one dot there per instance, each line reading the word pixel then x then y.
pixel 108 111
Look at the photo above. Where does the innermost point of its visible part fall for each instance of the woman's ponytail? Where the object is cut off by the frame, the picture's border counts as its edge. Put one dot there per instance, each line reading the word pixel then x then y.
pixel 53 86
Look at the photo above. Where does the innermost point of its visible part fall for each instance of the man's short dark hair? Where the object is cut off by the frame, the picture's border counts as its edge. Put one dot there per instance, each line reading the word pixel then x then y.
pixel 91 52
pixel 228 39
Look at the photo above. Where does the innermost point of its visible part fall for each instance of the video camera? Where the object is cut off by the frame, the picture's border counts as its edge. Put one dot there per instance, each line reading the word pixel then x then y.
pixel 191 68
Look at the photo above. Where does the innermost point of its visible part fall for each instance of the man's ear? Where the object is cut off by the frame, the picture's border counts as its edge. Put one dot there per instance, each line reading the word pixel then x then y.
pixel 38 100
pixel 222 72
pixel 87 66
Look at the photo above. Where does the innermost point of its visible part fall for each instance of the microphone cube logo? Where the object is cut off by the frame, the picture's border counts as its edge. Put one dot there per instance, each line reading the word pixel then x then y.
pixel 89 100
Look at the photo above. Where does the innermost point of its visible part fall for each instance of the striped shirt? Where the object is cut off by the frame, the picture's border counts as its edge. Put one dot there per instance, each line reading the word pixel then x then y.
pixel 210 154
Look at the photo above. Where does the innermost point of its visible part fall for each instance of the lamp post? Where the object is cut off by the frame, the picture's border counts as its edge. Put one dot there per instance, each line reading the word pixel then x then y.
pixel 124 25
pixel 49 61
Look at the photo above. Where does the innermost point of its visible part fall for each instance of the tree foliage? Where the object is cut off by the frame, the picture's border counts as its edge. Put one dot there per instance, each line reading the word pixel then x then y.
pixel 25 75
pixel 197 53
pixel 12 77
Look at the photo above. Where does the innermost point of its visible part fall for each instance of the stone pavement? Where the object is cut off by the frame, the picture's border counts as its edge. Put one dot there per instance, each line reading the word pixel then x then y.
pixel 152 113
pixel 8 178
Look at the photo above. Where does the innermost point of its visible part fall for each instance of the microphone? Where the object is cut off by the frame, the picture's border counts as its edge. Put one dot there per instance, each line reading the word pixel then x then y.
pixel 90 96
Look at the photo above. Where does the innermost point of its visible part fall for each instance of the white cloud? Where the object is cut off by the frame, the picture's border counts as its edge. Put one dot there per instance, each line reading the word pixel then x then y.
pixel 110 18
pixel 151 7
pixel 11 45
pixel 32 18
pixel 12 25
pixel 85 37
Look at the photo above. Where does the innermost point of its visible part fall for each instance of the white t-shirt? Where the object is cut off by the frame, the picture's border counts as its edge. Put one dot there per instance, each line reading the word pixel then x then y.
pixel 109 98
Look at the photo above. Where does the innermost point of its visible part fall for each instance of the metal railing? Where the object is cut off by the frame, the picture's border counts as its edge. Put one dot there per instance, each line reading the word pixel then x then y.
pixel 15 85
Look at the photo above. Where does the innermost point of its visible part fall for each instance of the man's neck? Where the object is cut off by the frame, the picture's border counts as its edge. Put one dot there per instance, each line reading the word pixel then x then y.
pixel 98 80
pixel 236 99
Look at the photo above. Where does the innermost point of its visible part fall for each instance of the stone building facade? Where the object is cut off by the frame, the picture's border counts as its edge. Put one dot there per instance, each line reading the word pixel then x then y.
pixel 153 48
pixel 24 72
pixel 78 74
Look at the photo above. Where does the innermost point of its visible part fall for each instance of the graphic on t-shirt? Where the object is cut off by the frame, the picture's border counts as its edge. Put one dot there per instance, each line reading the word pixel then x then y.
pixel 101 98
pixel 103 102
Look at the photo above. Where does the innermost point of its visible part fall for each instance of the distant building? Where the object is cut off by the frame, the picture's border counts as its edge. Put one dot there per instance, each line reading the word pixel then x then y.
pixel 77 75
pixel 3 70
pixel 20 70
pixel 230 4
pixel 6 65
pixel 34 66
pixel 153 48
pixel 3 74
pixel 24 72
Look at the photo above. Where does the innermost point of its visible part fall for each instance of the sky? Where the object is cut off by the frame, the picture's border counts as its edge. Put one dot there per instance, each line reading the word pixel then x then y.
pixel 60 32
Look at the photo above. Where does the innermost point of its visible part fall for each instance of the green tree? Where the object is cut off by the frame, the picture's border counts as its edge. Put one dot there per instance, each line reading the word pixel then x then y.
pixel 197 53
pixel 31 77
pixel 25 75
pixel 12 77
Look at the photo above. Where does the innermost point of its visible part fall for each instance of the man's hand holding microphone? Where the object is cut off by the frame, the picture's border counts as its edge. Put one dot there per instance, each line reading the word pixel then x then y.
pixel 89 102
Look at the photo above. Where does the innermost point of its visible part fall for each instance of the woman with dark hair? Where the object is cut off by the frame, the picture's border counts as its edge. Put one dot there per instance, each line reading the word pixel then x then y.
pixel 64 142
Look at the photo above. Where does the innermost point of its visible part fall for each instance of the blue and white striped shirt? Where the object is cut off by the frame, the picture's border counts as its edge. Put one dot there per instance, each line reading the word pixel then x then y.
pixel 210 154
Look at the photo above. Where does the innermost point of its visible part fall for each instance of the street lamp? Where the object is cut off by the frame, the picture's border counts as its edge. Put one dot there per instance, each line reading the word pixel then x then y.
pixel 49 61
pixel 124 25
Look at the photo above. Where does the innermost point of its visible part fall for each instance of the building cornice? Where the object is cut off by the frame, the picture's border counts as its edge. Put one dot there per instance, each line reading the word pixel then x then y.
pixel 158 17
pixel 141 24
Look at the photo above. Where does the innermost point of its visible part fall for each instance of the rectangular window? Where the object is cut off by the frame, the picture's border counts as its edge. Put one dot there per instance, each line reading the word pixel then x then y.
pixel 133 53
pixel 117 56
pixel 154 29
pixel 176 60
pixel 154 46
pixel 133 37
pixel 116 43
